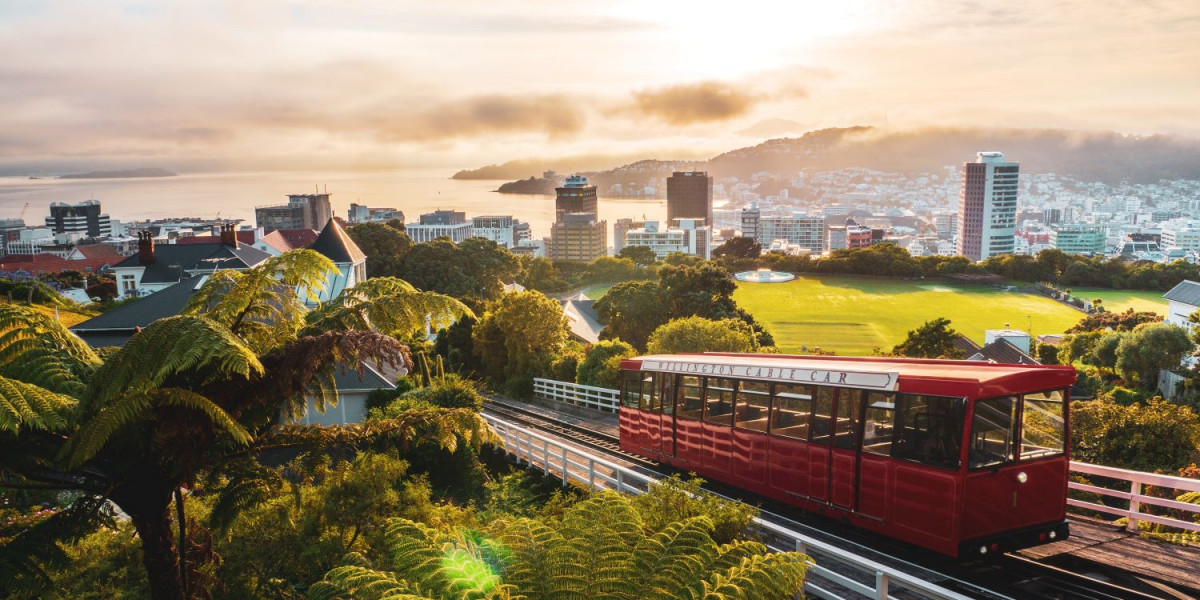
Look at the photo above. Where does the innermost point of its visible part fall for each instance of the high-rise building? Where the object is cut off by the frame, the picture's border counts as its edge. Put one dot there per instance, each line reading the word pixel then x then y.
pixel 750 220
pixel 575 196
pixel 578 237
pixel 798 229
pixel 360 213
pixel 987 210
pixel 303 211
pixel 1181 233
pixel 1079 239
pixel 83 218
pixel 690 196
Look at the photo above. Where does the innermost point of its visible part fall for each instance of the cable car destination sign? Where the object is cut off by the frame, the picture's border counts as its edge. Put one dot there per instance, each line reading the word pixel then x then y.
pixel 764 370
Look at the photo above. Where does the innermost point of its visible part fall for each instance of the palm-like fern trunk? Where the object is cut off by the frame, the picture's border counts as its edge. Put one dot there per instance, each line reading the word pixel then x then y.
pixel 148 507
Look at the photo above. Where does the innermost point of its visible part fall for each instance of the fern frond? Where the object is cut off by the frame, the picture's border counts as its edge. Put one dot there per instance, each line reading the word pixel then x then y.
pixel 387 305
pixel 37 349
pixel 241 485
pixel 27 406
pixel 192 350
pixel 139 406
pixel 672 563
pixel 264 305
pixel 359 583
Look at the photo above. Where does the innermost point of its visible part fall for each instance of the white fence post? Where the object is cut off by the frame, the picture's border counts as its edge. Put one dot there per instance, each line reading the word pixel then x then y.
pixel 1135 507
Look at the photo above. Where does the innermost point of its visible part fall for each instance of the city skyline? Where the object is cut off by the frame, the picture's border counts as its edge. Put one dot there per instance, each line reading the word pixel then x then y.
pixel 374 85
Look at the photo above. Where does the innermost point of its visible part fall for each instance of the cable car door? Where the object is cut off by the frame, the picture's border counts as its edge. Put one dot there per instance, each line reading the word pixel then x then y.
pixel 843 452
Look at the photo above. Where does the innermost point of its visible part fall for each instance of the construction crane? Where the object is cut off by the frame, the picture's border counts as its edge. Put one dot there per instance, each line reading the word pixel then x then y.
pixel 23 209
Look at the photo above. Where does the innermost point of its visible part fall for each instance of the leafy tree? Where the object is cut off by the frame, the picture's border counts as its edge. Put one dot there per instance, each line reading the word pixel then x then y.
pixel 489 265
pixel 191 394
pixel 385 247
pixel 609 268
pixel 540 274
pixel 738 247
pixel 632 310
pixel 601 366
pixel 682 259
pixel 1122 321
pixel 436 266
pixel 1047 354
pixel 518 339
pixel 539 559
pixel 1149 348
pixel 933 339
pixel 642 256
pixel 1155 436
pixel 697 334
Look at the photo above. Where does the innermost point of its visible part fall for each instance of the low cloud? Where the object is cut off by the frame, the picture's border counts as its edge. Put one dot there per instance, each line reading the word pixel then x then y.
pixel 694 103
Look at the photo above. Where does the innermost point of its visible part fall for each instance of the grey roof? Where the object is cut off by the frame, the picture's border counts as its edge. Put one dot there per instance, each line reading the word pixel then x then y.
pixel 965 345
pixel 1002 351
pixel 172 261
pixel 582 319
pixel 1187 292
pixel 115 327
pixel 336 245
pixel 349 380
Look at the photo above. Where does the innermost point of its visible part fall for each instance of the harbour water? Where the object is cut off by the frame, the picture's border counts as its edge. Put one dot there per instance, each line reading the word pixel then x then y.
pixel 234 195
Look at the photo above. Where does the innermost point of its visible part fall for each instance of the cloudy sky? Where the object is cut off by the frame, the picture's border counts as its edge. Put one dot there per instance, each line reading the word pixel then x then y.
pixel 382 83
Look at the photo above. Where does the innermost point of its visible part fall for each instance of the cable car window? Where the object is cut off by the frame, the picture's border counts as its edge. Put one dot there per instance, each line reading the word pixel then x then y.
pixel 649 391
pixel 929 430
pixel 849 413
pixel 666 395
pixel 718 401
pixel 631 391
pixel 879 423
pixel 690 397
pixel 754 401
pixel 993 430
pixel 1042 424
pixel 822 428
pixel 791 411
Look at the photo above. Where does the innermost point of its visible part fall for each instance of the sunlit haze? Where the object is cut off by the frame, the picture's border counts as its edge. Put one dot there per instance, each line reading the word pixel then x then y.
pixel 358 84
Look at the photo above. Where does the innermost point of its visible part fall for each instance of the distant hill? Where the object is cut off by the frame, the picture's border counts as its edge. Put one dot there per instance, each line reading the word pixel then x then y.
pixel 143 172
pixel 1089 156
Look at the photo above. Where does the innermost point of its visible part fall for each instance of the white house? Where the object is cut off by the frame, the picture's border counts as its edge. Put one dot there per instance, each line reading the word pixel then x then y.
pixel 351 263
pixel 1182 301
pixel 157 267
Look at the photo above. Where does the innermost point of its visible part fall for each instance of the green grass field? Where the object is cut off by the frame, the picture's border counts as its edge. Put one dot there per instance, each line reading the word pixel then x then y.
pixel 597 291
pixel 1120 300
pixel 852 315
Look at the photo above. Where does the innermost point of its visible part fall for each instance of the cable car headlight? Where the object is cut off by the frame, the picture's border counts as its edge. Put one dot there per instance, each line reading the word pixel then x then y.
pixel 1022 477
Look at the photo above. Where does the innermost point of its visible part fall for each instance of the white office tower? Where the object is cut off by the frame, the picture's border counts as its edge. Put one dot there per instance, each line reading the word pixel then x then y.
pixel 987 210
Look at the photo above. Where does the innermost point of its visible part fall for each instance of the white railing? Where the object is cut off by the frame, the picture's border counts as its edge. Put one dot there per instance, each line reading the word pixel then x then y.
pixel 576 466
pixel 1137 479
pixel 574 393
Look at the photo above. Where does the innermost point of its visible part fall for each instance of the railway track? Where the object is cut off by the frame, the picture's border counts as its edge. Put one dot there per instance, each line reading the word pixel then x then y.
pixel 1008 576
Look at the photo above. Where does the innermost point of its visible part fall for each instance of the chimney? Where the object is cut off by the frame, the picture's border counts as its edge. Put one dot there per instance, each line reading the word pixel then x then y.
pixel 145 248
pixel 228 235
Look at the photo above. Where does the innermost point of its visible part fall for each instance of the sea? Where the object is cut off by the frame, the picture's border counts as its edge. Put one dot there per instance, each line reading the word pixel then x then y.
pixel 234 196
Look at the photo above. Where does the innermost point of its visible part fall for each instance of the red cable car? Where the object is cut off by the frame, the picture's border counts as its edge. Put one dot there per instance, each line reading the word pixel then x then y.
pixel 964 458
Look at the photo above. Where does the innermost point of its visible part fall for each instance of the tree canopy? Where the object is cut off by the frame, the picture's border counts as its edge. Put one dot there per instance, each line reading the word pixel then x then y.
pixel 698 334
pixel 933 339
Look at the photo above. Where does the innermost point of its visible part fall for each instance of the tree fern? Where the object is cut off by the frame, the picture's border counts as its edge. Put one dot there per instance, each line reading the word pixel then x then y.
pixel 360 583
pixel 263 305
pixel 387 305
pixel 37 349
pixel 139 406
pixel 27 406
pixel 191 349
